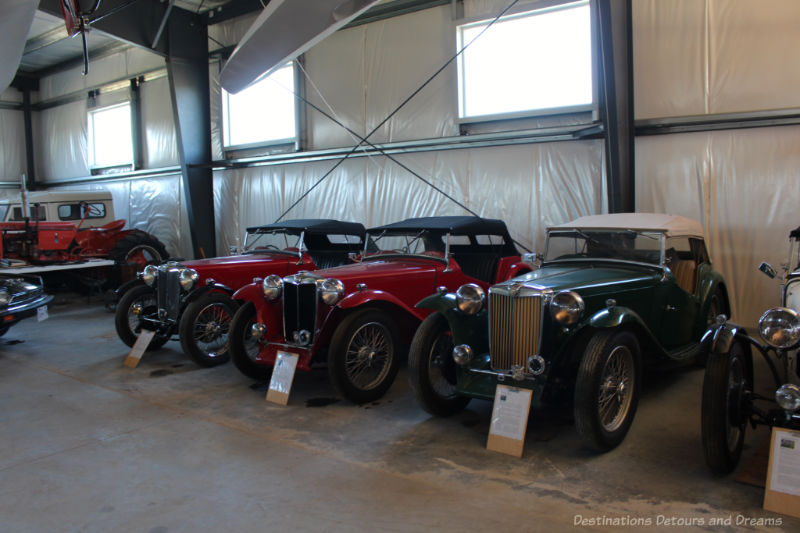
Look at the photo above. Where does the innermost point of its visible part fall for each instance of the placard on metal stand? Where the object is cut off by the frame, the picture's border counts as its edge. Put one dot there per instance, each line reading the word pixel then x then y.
pixel 139 347
pixel 282 376
pixel 782 492
pixel 510 413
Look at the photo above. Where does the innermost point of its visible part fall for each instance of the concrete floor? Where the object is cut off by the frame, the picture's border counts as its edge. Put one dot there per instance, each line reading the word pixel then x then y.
pixel 88 445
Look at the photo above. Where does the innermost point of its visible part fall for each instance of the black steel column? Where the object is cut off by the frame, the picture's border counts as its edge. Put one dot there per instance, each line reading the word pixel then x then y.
pixel 136 125
pixel 616 101
pixel 26 111
pixel 187 67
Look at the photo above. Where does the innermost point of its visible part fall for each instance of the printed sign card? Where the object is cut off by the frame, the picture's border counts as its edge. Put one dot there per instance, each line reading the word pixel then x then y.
pixel 138 348
pixel 282 377
pixel 782 494
pixel 509 420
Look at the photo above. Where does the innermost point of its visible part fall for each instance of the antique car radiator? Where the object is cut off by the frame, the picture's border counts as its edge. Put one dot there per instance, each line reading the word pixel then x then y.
pixel 168 292
pixel 299 311
pixel 515 324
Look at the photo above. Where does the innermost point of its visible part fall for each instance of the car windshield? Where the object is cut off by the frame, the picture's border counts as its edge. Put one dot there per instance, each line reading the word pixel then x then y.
pixel 624 245
pixel 412 243
pixel 274 240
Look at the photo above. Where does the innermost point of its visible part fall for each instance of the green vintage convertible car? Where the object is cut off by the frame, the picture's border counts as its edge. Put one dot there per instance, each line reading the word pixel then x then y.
pixel 612 294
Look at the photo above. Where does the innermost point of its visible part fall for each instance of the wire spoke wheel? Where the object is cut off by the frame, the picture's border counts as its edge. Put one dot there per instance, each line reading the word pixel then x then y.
pixel 615 394
pixel 211 329
pixel 369 356
pixel 441 367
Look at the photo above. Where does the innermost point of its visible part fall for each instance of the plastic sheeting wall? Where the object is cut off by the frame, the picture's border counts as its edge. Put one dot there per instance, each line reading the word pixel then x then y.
pixel 696 57
pixel 530 187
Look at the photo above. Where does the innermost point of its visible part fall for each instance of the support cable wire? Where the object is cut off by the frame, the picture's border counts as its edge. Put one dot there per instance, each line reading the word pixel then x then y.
pixel 388 117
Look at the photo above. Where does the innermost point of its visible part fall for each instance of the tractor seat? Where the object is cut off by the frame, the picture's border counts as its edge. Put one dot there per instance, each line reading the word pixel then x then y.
pixel 115 225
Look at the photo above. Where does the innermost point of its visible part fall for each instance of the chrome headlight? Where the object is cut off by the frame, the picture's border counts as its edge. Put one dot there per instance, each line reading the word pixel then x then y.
pixel 5 297
pixel 788 397
pixel 149 275
pixel 272 287
pixel 567 307
pixel 331 291
pixel 462 354
pixel 188 278
pixel 470 298
pixel 780 327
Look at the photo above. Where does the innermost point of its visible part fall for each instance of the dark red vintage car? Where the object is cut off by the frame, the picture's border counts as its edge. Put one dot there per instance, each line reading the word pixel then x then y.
pixel 360 318
pixel 193 298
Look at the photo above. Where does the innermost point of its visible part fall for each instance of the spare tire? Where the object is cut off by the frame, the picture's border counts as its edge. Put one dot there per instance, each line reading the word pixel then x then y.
pixel 133 252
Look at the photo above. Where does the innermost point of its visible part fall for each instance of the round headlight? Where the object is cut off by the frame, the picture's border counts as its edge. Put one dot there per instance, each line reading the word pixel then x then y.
pixel 462 354
pixel 149 274
pixel 272 286
pixel 788 397
pixel 5 297
pixel 567 307
pixel 188 278
pixel 780 327
pixel 470 298
pixel 331 291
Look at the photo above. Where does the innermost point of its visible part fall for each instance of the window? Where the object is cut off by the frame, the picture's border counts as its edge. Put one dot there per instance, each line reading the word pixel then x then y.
pixel 16 213
pixel 264 113
pixel 110 139
pixel 528 63
pixel 74 211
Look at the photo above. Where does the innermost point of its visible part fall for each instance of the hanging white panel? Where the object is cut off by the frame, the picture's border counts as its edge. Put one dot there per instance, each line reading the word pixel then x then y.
pixel 155 207
pixel 365 72
pixel 61 147
pixel 669 58
pixel 160 146
pixel 12 144
pixel 753 62
pixel 743 186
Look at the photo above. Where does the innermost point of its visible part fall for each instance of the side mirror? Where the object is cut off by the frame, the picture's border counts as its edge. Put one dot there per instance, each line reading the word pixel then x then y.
pixel 767 269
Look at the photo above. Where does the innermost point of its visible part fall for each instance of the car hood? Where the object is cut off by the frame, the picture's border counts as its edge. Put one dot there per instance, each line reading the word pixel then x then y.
pixel 245 261
pixel 588 278
pixel 19 286
pixel 370 270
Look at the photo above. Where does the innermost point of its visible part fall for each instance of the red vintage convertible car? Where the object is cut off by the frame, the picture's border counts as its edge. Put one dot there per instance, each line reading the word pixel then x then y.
pixel 193 298
pixel 360 317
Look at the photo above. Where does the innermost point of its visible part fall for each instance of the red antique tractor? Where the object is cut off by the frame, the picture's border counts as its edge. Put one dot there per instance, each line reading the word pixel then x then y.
pixel 50 235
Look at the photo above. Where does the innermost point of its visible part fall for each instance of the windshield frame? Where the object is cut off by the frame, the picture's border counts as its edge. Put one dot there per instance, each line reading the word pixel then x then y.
pixel 586 232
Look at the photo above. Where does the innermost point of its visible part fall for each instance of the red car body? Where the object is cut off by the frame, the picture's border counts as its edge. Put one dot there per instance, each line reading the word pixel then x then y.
pixel 388 283
pixel 200 315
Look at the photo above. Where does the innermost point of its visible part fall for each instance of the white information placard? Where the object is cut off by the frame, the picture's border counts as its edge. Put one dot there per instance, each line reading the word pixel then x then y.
pixel 510 413
pixel 137 351
pixel 282 376
pixel 41 313
pixel 782 494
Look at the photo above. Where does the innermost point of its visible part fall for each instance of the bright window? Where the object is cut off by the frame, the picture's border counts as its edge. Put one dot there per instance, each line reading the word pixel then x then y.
pixel 110 140
pixel 264 113
pixel 527 63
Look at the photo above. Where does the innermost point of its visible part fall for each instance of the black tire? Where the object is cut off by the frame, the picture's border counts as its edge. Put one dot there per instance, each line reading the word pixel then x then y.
pixel 205 327
pixel 135 251
pixel 364 355
pixel 723 418
pixel 607 389
pixel 126 321
pixel 243 347
pixel 4 330
pixel 431 369
pixel 717 304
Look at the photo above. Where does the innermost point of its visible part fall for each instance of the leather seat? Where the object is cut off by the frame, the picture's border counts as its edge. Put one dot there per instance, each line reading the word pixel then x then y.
pixel 685 272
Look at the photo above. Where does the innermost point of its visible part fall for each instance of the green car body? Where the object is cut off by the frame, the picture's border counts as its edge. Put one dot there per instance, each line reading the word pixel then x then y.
pixel 516 338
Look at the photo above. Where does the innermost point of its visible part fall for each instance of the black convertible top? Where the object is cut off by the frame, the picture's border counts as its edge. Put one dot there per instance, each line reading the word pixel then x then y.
pixel 454 225
pixel 313 225
pixel 795 233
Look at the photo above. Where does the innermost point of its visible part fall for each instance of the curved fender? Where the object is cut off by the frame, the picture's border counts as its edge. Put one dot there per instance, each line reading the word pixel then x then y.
pixel 250 292
pixel 363 297
pixel 438 302
pixel 719 337
pixel 205 289
pixel 125 287
pixel 612 317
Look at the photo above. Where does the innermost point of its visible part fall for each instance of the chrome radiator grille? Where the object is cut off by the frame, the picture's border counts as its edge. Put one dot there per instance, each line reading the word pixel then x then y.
pixel 299 311
pixel 515 323
pixel 168 293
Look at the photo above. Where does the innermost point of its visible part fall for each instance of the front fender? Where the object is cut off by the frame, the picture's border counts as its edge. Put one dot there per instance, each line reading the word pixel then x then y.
pixel 466 329
pixel 363 297
pixel 612 317
pixel 442 302
pixel 125 287
pixel 251 292
pixel 205 289
pixel 719 337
